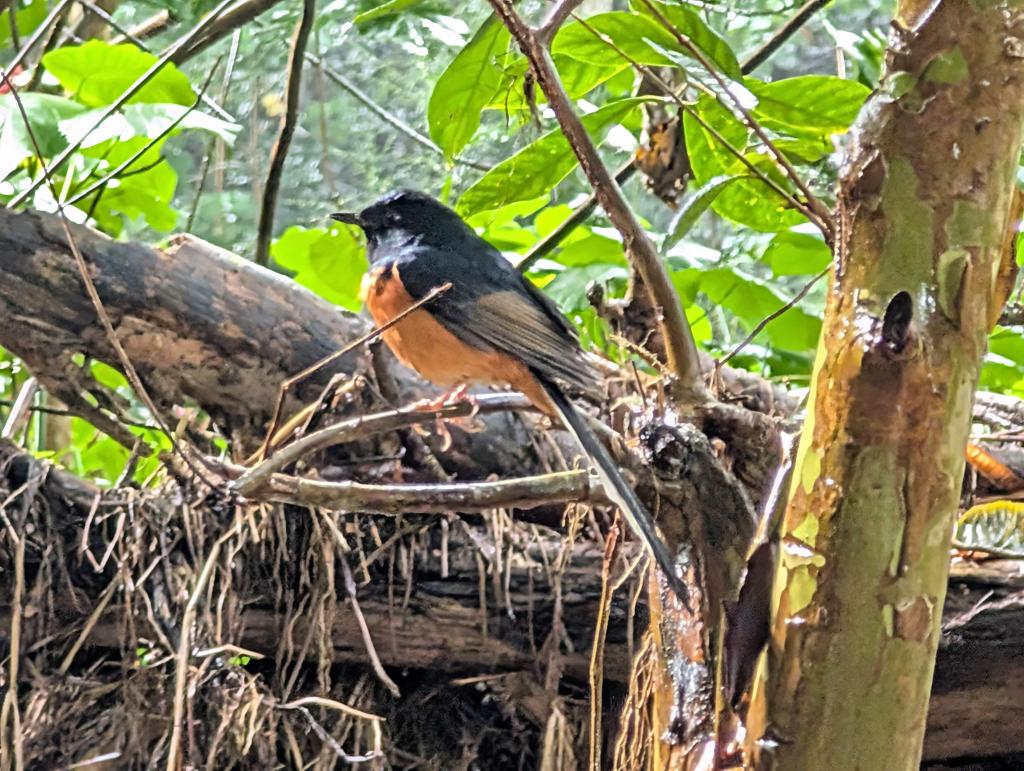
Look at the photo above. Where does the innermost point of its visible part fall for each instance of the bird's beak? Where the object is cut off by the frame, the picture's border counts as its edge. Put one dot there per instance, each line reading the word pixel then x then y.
pixel 348 217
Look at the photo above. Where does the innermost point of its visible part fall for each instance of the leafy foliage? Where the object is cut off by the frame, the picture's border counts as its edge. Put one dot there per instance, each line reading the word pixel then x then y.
pixel 97 73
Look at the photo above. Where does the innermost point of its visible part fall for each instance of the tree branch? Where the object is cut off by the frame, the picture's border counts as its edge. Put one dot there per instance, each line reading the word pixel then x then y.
pixel 367 425
pixel 784 33
pixel 681 350
pixel 284 138
pixel 519 493
pixel 239 14
pixel 554 20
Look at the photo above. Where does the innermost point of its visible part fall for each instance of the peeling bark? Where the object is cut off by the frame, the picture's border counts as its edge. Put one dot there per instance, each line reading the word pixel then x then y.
pixel 923 207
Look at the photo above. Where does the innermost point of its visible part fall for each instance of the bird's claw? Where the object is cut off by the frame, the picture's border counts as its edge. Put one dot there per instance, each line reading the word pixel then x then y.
pixel 449 398
pixel 458 395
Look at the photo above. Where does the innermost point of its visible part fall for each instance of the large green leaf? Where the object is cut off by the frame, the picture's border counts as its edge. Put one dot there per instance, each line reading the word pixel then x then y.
pixel 45 113
pixel 624 37
pixel 330 262
pixel 96 73
pixel 1003 368
pixel 466 87
pixel 27 19
pixel 538 167
pixel 809 105
pixel 693 28
pixel 750 202
pixel 796 254
pixel 592 248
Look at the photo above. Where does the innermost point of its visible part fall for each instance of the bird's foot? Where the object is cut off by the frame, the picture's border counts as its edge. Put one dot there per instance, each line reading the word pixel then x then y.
pixel 458 395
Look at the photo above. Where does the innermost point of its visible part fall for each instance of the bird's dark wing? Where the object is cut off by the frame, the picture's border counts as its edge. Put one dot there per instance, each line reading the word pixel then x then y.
pixel 491 306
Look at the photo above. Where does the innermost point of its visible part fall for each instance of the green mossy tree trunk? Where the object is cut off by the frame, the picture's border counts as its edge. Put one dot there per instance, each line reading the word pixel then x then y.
pixel 924 202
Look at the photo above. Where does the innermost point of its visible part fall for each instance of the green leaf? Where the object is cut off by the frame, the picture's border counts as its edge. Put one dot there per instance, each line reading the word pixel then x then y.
pixel 146 189
pixel 96 73
pixel 329 262
pixel 538 167
pixel 627 31
pixel 45 113
pixel 700 324
pixel 995 525
pixel 809 105
pixel 693 28
pixel 641 38
pixel 796 254
pixel 590 249
pixel 467 85
pixel 507 214
pixel 694 207
pixel 27 19
pixel 390 8
pixel 751 201
pixel 751 300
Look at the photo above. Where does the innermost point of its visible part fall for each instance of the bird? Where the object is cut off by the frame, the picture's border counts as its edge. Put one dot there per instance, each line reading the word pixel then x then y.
pixel 492 326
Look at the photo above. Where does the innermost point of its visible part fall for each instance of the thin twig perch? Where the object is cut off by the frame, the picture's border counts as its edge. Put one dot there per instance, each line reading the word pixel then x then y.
pixel 289 121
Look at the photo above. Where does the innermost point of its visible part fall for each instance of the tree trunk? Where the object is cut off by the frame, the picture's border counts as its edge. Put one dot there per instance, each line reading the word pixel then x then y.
pixel 923 207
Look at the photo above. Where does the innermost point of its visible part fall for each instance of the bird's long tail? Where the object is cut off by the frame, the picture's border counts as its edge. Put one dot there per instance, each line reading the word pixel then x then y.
pixel 615 484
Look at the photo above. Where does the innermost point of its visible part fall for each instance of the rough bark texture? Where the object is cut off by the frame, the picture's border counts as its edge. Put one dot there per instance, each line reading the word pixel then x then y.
pixel 923 207
pixel 202 326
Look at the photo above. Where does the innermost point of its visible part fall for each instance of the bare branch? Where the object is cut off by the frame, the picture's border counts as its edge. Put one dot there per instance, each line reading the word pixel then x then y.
pixel 289 121
pixel 774 315
pixel 555 19
pixel 20 409
pixel 365 425
pixel 37 35
pixel 239 14
pixel 681 350
pixel 520 493
pixel 287 385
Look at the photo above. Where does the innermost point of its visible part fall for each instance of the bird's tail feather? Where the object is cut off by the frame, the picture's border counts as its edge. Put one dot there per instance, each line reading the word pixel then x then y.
pixel 615 484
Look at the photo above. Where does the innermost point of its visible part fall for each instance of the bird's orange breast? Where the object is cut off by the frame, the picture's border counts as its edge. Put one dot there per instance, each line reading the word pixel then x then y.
pixel 425 345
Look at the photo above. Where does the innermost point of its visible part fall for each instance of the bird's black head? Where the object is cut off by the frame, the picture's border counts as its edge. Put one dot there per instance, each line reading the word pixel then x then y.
pixel 408 213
